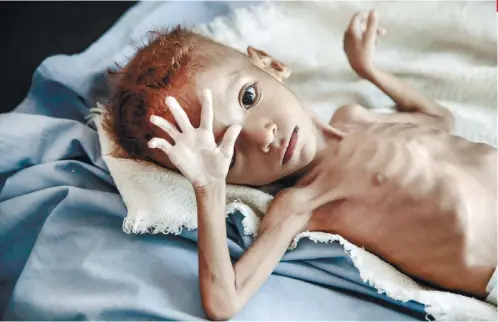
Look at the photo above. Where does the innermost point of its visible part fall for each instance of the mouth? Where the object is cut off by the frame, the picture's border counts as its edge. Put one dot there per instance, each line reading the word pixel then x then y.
pixel 291 147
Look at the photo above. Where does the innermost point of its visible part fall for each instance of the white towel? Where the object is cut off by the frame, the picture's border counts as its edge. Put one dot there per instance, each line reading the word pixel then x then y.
pixel 446 49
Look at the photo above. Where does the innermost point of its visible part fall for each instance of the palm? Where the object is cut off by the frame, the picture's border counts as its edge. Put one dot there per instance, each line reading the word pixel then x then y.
pixel 195 152
pixel 197 156
pixel 360 39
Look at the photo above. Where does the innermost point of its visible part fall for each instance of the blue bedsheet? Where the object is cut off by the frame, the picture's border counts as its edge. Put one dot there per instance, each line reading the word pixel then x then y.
pixel 63 255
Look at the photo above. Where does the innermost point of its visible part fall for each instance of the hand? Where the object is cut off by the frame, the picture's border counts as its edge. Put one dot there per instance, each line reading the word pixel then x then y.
pixel 195 153
pixel 359 42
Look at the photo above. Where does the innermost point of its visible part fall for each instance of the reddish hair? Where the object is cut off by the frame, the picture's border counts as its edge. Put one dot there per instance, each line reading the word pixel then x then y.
pixel 162 68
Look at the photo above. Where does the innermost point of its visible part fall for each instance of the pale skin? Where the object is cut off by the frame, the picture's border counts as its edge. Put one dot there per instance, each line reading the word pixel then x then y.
pixel 399 185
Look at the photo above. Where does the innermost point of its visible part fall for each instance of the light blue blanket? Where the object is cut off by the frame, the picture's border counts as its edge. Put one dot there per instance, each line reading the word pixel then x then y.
pixel 63 255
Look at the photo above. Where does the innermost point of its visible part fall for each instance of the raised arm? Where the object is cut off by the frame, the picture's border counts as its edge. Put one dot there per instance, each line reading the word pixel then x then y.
pixel 225 288
pixel 413 107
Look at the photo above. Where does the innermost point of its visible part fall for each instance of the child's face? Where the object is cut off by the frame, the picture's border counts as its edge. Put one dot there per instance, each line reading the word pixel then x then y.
pixel 245 93
pixel 269 113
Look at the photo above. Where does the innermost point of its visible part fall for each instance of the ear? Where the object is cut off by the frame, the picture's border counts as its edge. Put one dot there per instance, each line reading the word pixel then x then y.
pixel 266 62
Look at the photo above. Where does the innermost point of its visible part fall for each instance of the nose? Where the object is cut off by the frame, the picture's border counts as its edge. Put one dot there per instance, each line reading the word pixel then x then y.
pixel 263 135
pixel 269 136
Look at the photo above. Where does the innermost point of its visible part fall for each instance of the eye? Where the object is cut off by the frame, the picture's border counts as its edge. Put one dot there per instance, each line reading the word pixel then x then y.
pixel 248 96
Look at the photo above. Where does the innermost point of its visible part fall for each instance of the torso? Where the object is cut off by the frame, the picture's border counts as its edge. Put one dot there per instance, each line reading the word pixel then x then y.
pixel 400 177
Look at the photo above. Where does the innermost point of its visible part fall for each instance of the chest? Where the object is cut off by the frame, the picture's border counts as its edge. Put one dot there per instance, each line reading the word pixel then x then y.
pixel 388 171
pixel 380 161
pixel 390 202
pixel 395 170
pixel 376 219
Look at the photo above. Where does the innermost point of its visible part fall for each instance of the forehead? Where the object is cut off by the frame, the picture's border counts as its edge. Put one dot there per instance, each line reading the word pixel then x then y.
pixel 217 72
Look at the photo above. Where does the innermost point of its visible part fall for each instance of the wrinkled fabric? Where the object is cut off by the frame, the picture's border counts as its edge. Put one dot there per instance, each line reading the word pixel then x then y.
pixel 63 254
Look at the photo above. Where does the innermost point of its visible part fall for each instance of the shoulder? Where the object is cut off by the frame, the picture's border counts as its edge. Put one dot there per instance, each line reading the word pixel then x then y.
pixel 351 114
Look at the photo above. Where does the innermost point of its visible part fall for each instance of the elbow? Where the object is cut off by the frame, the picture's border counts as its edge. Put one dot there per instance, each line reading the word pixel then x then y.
pixel 220 309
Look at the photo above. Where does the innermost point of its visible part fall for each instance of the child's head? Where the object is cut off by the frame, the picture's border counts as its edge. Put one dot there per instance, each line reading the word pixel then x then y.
pixel 246 90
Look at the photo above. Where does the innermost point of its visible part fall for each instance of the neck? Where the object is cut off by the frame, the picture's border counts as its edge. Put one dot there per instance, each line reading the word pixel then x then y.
pixel 327 136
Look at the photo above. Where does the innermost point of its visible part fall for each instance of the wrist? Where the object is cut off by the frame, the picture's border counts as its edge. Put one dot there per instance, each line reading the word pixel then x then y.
pixel 362 69
pixel 210 188
pixel 371 73
pixel 211 200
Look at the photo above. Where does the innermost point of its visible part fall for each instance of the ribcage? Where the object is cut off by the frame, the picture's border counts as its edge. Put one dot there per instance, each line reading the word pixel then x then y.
pixel 409 156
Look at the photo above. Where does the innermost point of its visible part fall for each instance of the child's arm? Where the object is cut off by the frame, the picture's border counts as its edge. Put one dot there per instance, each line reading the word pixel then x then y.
pixel 412 105
pixel 226 288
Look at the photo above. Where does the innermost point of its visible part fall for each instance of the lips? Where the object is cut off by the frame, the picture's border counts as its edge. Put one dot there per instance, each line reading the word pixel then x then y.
pixel 291 147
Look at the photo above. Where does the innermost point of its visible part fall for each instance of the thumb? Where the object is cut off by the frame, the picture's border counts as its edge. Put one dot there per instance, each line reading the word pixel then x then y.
pixel 229 138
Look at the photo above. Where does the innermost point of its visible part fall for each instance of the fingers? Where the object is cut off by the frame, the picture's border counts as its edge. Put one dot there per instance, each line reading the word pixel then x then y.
pixel 164 125
pixel 380 32
pixel 161 144
pixel 363 20
pixel 179 114
pixel 207 110
pixel 365 24
pixel 371 32
pixel 229 138
pixel 354 27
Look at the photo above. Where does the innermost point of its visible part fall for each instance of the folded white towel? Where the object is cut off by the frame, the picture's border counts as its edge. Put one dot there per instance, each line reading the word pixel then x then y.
pixel 446 49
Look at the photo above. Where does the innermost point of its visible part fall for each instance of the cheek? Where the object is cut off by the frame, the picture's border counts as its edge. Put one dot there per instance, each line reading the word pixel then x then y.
pixel 308 148
pixel 308 154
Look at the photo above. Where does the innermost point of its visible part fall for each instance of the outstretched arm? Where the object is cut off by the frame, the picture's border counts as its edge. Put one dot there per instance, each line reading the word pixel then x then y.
pixel 226 288
pixel 413 107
